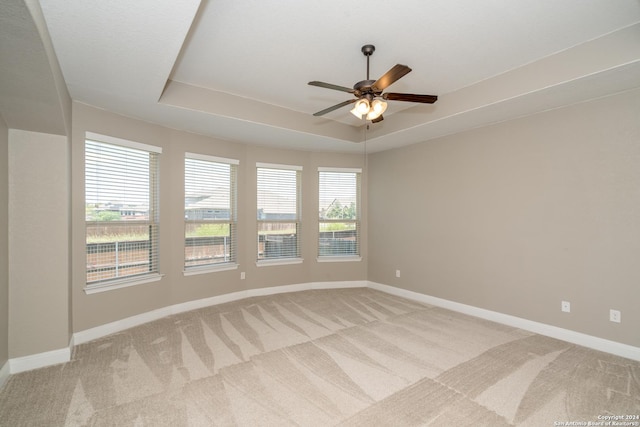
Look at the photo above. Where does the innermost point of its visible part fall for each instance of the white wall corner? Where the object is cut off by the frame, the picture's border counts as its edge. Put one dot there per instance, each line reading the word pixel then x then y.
pixel 601 344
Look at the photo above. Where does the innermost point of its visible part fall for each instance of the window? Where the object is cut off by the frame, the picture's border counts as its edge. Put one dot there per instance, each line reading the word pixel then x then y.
pixel 122 218
pixel 339 214
pixel 279 222
pixel 209 212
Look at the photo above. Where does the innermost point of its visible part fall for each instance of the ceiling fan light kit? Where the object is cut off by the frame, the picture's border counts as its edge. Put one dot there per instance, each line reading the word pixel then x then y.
pixel 370 101
pixel 370 110
pixel 361 108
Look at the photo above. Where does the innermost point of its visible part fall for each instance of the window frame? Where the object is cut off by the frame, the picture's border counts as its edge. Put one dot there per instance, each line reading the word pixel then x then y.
pixel 232 221
pixel 153 221
pixel 297 259
pixel 347 257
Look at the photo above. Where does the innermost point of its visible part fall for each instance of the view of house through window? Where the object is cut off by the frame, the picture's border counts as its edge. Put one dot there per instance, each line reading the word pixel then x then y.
pixel 121 208
pixel 339 212
pixel 278 214
pixel 122 211
pixel 209 210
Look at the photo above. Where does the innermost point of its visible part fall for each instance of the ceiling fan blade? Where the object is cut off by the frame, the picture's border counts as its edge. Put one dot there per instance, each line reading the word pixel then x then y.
pixel 331 86
pixel 410 97
pixel 377 119
pixel 390 77
pixel 335 107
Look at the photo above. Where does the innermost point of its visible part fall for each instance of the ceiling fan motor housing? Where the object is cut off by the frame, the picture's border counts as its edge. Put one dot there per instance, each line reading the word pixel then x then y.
pixel 364 88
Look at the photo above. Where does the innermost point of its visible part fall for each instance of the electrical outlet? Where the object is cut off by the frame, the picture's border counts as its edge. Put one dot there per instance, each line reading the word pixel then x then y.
pixel 566 306
pixel 615 316
pixel 242 276
pixel 397 273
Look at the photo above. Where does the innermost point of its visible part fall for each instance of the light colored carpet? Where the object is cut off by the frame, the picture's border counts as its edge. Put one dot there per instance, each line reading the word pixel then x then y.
pixel 351 357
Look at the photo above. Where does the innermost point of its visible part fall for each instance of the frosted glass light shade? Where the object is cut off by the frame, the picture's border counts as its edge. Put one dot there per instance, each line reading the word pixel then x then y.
pixel 377 108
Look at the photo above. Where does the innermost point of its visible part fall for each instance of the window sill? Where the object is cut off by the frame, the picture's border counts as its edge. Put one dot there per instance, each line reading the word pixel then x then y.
pixel 192 271
pixel 283 261
pixel 122 283
pixel 339 258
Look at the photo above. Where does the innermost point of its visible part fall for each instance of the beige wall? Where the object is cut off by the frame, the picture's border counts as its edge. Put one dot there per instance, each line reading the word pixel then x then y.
pixel 97 309
pixel 38 243
pixel 519 216
pixel 4 243
pixel 512 218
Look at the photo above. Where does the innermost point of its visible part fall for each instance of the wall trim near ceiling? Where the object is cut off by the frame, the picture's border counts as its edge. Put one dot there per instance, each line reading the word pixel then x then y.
pixel 35 361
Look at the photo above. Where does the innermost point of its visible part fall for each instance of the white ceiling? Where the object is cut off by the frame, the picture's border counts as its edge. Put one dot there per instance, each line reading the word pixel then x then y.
pixel 238 69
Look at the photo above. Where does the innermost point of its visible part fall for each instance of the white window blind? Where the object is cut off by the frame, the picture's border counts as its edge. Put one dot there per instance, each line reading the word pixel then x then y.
pixel 339 212
pixel 122 215
pixel 209 211
pixel 278 214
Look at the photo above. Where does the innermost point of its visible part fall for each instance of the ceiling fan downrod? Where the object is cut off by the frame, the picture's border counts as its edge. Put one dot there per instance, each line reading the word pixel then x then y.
pixel 368 50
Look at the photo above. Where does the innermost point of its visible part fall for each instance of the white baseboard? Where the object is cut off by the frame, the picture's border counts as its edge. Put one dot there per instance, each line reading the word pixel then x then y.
pixel 340 285
pixel 601 344
pixel 119 325
pixel 305 287
pixel 130 322
pixel 4 374
pixel 39 360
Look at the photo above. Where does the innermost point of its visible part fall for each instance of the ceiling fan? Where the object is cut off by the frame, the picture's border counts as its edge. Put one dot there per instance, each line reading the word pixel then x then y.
pixel 370 101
